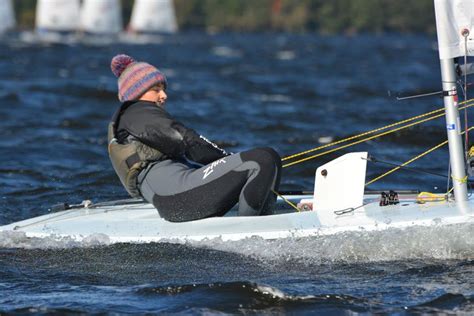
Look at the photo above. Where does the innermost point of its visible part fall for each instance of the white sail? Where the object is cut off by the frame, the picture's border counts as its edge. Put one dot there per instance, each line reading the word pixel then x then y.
pixel 101 16
pixel 157 16
pixel 7 16
pixel 455 26
pixel 57 15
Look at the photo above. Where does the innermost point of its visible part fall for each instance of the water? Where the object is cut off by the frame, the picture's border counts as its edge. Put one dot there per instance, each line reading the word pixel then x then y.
pixel 242 90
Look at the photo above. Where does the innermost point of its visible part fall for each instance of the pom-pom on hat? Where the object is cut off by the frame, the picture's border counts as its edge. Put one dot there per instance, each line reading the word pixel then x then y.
pixel 134 78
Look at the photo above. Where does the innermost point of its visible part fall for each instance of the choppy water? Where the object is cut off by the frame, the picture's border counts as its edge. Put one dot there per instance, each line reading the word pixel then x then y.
pixel 242 90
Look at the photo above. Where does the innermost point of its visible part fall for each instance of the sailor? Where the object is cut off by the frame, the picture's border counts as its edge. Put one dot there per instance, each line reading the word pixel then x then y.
pixel 183 174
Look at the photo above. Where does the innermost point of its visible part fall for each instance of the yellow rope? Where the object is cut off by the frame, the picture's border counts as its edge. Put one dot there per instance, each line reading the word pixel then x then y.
pixel 360 135
pixel 424 197
pixel 370 132
pixel 360 141
pixel 406 163
pixel 432 196
pixel 287 201
pixel 471 151
pixel 463 180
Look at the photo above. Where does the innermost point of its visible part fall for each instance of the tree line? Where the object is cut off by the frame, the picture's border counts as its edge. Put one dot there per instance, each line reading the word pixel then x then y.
pixel 322 16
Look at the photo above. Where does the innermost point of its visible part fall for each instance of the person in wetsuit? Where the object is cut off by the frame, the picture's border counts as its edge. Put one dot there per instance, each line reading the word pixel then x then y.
pixel 183 174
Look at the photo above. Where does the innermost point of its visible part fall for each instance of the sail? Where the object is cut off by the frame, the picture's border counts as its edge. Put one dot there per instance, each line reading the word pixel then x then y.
pixel 153 16
pixel 101 16
pixel 57 15
pixel 7 16
pixel 455 27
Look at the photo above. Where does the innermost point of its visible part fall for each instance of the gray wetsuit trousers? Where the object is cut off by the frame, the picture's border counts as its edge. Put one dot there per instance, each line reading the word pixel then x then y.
pixel 183 193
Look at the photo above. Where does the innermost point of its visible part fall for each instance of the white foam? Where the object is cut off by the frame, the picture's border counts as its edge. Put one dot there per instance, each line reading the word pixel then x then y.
pixel 224 51
pixel 271 291
pixel 454 242
pixel 274 98
pixel 436 242
pixel 286 55
pixel 17 239
pixel 325 139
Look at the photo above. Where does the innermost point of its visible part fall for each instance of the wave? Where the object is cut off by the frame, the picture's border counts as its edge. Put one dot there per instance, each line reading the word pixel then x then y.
pixel 250 297
pixel 253 298
pixel 443 243
pixel 16 239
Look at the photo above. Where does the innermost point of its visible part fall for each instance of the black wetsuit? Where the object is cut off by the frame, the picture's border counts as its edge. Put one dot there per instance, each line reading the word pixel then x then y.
pixel 195 178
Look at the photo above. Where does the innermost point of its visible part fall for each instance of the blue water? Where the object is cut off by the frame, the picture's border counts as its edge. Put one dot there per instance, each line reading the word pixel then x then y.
pixel 241 90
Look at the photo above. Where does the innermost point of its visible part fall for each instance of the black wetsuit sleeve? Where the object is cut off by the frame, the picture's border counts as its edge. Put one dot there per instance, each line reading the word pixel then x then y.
pixel 153 127
pixel 156 128
pixel 200 149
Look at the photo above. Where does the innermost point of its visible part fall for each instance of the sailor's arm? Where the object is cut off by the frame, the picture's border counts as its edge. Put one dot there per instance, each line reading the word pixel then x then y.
pixel 175 140
pixel 201 150
pixel 156 128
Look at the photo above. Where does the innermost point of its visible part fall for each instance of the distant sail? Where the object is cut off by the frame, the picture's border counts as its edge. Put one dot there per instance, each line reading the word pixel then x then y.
pixel 153 16
pixel 7 16
pixel 101 16
pixel 57 15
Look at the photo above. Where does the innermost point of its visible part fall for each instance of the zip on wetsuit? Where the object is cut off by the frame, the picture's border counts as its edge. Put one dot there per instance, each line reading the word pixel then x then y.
pixel 184 175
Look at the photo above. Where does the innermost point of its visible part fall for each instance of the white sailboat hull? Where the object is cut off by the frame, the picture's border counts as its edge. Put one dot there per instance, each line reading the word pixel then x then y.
pixel 140 222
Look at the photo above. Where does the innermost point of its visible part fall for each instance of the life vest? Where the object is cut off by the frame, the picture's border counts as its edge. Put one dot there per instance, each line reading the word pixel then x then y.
pixel 130 158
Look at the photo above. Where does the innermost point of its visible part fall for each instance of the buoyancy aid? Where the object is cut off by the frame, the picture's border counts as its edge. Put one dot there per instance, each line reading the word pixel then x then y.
pixel 130 157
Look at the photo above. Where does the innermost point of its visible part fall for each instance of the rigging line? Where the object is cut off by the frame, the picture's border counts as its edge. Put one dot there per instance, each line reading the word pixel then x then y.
pixel 362 134
pixel 375 130
pixel 348 210
pixel 361 140
pixel 449 172
pixel 415 158
pixel 419 95
pixel 368 138
pixel 406 163
pixel 466 135
pixel 468 104
pixel 417 170
pixel 286 200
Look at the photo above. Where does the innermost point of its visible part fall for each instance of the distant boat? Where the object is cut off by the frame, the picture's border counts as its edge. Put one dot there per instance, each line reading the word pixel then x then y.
pixel 7 16
pixel 153 16
pixel 56 21
pixel 101 17
pixel 150 20
pixel 57 15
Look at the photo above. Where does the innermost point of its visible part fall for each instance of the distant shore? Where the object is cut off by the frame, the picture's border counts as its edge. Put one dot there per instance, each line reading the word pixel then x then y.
pixel 321 16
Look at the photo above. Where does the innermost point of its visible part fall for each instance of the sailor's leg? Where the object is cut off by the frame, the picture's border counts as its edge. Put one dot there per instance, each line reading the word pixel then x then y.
pixel 275 161
pixel 183 194
pixel 264 167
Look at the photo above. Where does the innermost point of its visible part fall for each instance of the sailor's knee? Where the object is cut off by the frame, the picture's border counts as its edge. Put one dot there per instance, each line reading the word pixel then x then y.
pixel 272 156
pixel 262 155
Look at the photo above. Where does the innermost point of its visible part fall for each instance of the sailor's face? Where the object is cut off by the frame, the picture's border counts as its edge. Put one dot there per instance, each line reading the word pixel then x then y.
pixel 156 94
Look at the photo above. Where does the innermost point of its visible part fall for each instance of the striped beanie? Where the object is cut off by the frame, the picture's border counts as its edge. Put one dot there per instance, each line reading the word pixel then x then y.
pixel 134 78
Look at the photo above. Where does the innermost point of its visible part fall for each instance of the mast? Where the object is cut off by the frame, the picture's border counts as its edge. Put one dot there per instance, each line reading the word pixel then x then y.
pixel 453 126
pixel 454 22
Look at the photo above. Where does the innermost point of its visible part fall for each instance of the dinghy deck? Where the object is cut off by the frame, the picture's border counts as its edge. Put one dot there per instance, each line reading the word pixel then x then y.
pixel 141 223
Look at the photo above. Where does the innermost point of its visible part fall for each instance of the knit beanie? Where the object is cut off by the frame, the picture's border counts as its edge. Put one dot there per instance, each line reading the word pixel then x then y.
pixel 134 78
